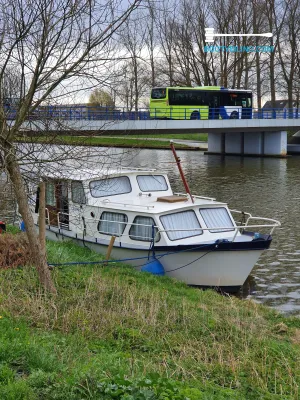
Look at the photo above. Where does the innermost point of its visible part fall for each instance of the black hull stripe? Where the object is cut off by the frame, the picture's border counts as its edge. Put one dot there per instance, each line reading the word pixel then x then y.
pixel 259 244
pixel 225 246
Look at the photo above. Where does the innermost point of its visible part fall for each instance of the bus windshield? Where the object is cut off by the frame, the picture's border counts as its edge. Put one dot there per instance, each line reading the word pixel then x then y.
pixel 158 93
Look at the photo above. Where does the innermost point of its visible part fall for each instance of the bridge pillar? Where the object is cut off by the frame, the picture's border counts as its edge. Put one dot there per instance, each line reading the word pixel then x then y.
pixel 254 143
pixel 234 143
pixel 216 143
pixel 248 143
pixel 275 143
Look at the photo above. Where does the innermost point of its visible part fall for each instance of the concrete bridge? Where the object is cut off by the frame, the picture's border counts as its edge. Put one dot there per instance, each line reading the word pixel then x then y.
pixel 260 137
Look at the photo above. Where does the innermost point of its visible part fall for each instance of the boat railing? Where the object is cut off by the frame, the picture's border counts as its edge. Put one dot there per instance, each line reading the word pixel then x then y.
pixel 47 216
pixel 61 224
pixel 196 196
pixel 275 223
pixel 119 232
pixel 245 216
pixel 268 223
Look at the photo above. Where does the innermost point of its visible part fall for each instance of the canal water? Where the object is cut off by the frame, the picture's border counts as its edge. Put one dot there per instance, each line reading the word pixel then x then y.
pixel 265 187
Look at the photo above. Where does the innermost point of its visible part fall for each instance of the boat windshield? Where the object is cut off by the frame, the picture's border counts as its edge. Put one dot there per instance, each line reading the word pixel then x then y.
pixel 216 218
pixel 175 223
pixel 152 183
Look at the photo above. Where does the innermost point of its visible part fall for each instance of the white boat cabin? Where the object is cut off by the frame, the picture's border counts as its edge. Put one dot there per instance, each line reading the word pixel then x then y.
pixel 134 205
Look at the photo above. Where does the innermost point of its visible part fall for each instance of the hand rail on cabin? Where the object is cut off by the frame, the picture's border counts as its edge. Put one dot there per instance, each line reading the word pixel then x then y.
pixel 107 201
pixel 196 196
pixel 138 169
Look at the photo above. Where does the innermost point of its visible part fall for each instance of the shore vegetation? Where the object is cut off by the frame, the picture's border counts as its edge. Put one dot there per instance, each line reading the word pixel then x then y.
pixel 115 333
pixel 148 142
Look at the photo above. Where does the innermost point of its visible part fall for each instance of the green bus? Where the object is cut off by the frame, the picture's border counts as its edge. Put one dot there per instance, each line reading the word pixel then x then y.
pixel 202 102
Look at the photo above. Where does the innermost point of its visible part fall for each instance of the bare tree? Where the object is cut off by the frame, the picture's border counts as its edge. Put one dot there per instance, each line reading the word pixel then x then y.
pixel 58 46
pixel 287 24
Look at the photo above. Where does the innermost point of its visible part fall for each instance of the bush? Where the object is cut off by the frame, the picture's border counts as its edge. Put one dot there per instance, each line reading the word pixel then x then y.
pixel 14 250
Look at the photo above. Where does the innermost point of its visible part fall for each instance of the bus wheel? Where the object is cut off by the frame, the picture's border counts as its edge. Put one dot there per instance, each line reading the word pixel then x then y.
pixel 195 115
pixel 234 115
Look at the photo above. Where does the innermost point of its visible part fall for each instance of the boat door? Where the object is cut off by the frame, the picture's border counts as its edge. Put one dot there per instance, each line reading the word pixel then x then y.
pixel 57 203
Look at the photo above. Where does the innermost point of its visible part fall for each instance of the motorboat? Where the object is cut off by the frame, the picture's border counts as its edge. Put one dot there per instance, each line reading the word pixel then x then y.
pixel 196 239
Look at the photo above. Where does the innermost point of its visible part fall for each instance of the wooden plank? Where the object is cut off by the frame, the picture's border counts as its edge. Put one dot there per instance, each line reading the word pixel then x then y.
pixel 172 199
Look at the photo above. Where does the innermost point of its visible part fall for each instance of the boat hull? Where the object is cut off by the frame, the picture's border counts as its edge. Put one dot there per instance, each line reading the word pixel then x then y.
pixel 220 265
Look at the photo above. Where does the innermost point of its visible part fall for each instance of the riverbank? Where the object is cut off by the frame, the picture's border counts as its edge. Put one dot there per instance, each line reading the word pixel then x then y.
pixel 143 142
pixel 115 333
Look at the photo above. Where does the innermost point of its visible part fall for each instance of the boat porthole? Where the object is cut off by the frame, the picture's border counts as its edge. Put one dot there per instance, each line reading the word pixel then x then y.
pixel 92 214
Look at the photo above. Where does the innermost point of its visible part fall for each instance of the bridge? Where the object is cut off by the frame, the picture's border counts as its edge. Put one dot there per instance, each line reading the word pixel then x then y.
pixel 262 133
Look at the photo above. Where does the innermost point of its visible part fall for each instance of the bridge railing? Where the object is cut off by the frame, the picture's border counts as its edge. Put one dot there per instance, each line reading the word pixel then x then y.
pixel 71 112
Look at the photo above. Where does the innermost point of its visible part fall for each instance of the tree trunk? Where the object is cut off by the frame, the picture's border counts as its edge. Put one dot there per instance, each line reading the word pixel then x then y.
pixel 37 253
pixel 42 222
pixel 258 79
pixel 272 78
pixel 290 98
pixel 136 87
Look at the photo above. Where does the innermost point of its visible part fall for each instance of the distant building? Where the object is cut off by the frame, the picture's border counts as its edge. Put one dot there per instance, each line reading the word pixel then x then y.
pixel 279 104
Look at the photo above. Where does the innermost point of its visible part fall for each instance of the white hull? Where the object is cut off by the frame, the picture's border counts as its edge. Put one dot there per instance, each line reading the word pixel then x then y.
pixel 223 269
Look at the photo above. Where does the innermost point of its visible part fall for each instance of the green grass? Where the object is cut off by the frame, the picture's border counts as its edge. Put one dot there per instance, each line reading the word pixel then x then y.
pixel 201 137
pixel 101 141
pixel 115 333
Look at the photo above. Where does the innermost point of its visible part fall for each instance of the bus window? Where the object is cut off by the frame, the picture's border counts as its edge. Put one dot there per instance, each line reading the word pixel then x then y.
pixel 158 93
pixel 186 97
pixel 238 99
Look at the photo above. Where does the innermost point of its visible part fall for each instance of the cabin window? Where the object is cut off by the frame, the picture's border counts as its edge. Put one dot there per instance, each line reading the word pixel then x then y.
pixel 217 217
pixel 50 194
pixel 78 195
pixel 152 183
pixel 110 186
pixel 175 223
pixel 141 229
pixel 112 223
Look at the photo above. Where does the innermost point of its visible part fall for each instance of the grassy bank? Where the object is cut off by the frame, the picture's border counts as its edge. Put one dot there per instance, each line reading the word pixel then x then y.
pixel 114 333
pixel 103 141
pixel 200 137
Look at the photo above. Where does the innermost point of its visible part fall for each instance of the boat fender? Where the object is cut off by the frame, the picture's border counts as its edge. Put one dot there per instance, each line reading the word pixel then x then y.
pixel 257 237
pixel 154 267
pixel 22 226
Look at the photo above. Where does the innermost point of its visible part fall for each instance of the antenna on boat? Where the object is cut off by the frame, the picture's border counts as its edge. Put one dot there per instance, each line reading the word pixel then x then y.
pixel 177 159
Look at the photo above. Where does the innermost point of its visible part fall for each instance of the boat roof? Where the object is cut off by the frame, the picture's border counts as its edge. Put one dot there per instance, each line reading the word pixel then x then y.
pixel 136 203
pixel 89 173
pixel 153 206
